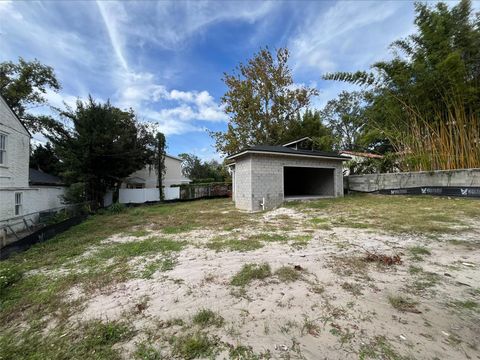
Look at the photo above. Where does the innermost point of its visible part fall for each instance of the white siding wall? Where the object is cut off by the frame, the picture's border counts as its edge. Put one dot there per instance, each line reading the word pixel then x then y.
pixel 34 200
pixel 173 174
pixel 14 173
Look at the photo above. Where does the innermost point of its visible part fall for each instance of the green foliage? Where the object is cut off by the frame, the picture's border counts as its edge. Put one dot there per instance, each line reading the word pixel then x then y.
pixel 116 208
pixel 194 346
pixel 310 124
pixel 59 216
pixel 9 275
pixel 288 274
pixel 403 304
pixel 92 340
pixel 261 102
pixel 43 158
pixel 207 317
pixel 75 193
pixel 387 164
pixel 346 119
pixel 147 352
pixel 219 244
pixel 102 146
pixel 250 272
pixel 203 171
pixel 415 100
pixel 24 85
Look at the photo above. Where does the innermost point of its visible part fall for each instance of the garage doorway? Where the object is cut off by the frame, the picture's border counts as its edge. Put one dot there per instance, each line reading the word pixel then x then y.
pixel 308 182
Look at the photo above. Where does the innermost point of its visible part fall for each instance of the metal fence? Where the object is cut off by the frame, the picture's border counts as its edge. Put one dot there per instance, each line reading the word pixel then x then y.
pixel 16 228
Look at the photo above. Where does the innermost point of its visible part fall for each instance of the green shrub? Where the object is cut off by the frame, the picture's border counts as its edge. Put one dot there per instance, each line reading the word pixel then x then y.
pixel 250 272
pixel 116 208
pixel 8 276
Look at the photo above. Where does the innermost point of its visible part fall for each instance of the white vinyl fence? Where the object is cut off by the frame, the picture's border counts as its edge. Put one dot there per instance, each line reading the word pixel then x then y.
pixel 139 196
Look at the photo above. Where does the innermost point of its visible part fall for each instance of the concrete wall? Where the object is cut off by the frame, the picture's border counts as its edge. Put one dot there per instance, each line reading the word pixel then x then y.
pixel 259 176
pixel 375 182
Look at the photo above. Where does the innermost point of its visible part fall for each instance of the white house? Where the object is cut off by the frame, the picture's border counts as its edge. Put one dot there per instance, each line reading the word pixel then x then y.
pixel 142 185
pixel 20 200
pixel 147 178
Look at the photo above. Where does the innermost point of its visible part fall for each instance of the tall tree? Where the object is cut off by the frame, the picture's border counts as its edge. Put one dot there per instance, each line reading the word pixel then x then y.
pixel 45 159
pixel 23 85
pixel 160 143
pixel 310 124
pixel 196 169
pixel 431 72
pixel 425 101
pixel 345 116
pixel 261 101
pixel 101 146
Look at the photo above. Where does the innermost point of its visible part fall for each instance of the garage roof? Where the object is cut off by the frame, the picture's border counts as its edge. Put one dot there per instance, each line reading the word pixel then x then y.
pixel 283 150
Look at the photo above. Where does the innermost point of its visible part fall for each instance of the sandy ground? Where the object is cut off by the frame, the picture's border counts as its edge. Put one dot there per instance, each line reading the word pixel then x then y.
pixel 345 298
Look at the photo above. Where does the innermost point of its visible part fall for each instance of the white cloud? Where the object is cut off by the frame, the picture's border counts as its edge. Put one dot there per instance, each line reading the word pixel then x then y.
pixel 113 14
pixel 173 23
pixel 326 38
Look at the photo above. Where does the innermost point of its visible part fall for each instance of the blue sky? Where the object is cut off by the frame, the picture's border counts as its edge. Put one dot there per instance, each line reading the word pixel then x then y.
pixel 166 59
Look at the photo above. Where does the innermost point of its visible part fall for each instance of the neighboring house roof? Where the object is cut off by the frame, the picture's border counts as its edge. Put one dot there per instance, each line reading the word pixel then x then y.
pixel 15 115
pixel 282 150
pixel 362 154
pixel 37 177
pixel 135 180
pixel 174 157
pixel 297 141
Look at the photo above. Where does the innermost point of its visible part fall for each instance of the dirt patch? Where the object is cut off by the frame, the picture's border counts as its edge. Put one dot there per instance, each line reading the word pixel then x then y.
pixel 295 318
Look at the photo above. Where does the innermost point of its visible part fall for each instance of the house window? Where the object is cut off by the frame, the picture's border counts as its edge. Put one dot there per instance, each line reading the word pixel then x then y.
pixel 18 203
pixel 3 149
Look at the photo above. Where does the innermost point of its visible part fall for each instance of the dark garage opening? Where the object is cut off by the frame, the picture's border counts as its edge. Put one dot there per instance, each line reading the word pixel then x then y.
pixel 305 182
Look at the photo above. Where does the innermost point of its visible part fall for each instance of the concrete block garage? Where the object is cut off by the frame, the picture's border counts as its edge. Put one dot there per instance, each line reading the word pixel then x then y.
pixel 266 176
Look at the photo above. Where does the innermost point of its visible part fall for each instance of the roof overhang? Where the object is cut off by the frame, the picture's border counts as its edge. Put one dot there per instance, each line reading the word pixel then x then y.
pixel 277 153
pixel 297 141
pixel 135 180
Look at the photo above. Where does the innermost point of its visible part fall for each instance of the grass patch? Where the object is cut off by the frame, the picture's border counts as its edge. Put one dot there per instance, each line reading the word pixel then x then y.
pixel 177 229
pixel 146 351
pixel 197 345
pixel 234 245
pixel 165 264
pixel 414 270
pixel 379 348
pixel 250 272
pixel 354 289
pixel 242 352
pixel 207 317
pixel 467 305
pixel 424 280
pixel 266 237
pixel 321 223
pixel 417 252
pixel 341 221
pixel 139 233
pixel 300 241
pixel 287 274
pixel 310 327
pixel 92 340
pixel 403 304
pixel 138 248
